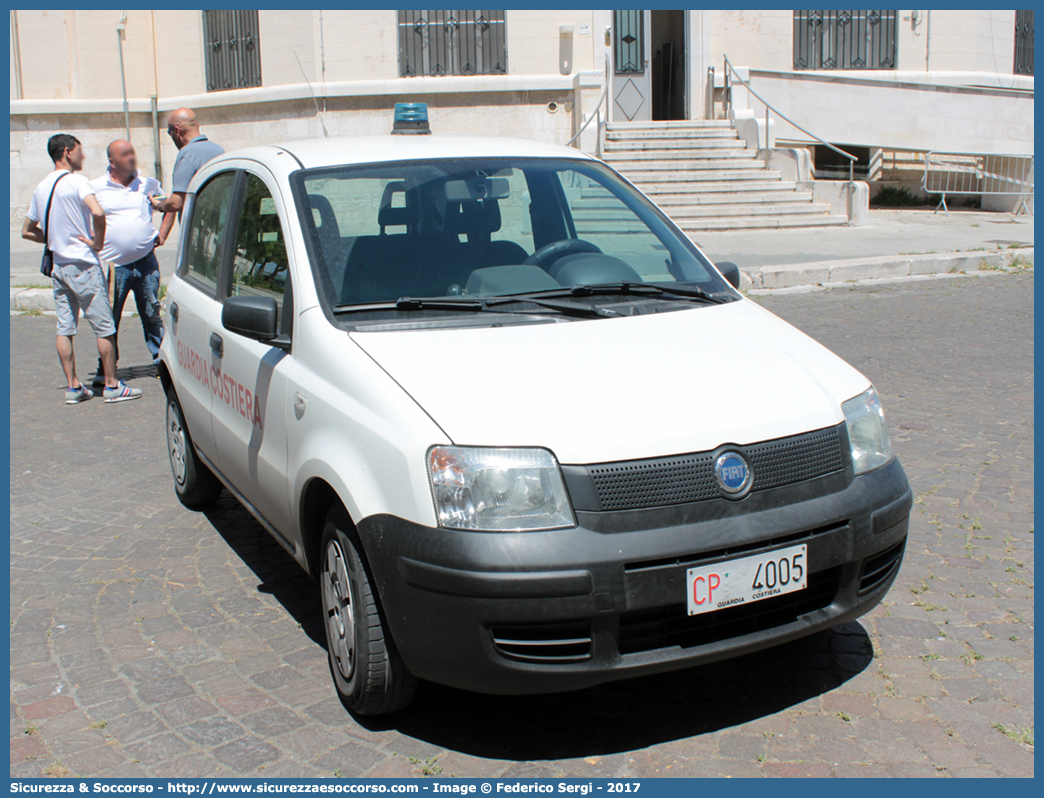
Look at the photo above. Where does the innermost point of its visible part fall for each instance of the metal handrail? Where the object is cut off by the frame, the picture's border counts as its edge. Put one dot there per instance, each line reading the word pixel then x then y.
pixel 594 113
pixel 730 69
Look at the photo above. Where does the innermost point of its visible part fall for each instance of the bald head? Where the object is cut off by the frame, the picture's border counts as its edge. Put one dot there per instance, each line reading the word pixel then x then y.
pixel 118 146
pixel 182 126
pixel 123 162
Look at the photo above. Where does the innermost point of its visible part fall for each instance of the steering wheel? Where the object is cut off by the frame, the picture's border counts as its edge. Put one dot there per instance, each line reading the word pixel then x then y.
pixel 548 254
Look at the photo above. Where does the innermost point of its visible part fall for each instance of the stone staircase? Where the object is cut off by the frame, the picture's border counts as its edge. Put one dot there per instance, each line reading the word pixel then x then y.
pixel 702 175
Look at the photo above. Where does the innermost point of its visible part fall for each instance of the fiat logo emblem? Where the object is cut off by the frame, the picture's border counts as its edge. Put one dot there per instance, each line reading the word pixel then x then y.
pixel 733 473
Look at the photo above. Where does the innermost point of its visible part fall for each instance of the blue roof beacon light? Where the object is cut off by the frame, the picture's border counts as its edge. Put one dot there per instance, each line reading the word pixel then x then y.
pixel 411 118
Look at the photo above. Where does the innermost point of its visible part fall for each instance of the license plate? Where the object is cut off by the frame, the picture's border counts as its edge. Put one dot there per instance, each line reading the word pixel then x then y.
pixel 747 579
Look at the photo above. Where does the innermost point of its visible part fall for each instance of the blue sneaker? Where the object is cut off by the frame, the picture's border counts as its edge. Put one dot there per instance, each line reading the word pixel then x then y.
pixel 73 396
pixel 121 393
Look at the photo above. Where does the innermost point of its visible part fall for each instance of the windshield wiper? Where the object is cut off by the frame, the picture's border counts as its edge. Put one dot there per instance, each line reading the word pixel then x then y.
pixel 623 289
pixel 647 289
pixel 567 308
pixel 408 303
pixel 487 304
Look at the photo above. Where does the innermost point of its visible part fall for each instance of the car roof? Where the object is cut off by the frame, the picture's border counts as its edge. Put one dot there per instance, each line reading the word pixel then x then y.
pixel 350 150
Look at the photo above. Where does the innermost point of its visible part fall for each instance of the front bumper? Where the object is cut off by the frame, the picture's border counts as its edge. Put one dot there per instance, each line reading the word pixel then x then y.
pixel 538 612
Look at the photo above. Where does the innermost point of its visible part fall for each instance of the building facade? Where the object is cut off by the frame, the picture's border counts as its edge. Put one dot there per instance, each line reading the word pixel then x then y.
pixel 886 81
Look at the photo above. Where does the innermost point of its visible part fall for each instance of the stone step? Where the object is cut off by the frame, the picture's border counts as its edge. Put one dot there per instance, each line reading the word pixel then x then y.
pixel 682 216
pixel 674 203
pixel 658 190
pixel 673 144
pixel 762 222
pixel 645 178
pixel 669 134
pixel 673 156
pixel 630 167
pixel 671 124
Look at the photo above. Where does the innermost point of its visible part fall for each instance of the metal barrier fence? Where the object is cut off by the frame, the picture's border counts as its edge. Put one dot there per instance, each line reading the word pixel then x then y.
pixel 979 175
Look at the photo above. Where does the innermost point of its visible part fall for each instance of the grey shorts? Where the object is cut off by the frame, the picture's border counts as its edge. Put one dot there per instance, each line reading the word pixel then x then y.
pixel 82 287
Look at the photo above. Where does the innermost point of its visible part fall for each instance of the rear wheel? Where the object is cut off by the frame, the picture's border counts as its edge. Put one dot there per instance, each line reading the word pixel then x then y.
pixel 368 672
pixel 194 483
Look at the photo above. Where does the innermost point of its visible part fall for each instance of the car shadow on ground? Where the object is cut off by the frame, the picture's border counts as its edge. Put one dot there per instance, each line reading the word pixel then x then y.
pixel 613 718
pixel 280 574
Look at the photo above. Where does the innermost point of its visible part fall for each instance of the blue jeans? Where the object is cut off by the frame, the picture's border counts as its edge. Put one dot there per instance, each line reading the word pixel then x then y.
pixel 143 278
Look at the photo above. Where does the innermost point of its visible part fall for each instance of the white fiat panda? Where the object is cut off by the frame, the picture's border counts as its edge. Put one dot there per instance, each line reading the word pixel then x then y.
pixel 525 434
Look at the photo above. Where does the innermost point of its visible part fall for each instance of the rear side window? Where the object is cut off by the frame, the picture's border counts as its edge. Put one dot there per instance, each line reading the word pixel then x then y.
pixel 349 208
pixel 260 266
pixel 207 230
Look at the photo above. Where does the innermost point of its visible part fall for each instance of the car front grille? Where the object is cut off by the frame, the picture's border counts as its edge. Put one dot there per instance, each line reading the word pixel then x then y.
pixel 634 484
pixel 664 627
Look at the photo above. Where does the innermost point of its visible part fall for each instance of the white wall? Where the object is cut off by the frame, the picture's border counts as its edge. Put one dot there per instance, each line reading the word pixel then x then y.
pixel 83 57
pixel 519 113
pixel 179 53
pixel 761 39
pixel 534 43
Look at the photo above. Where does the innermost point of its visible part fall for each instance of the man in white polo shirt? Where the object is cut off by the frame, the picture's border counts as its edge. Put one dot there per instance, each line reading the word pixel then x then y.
pixel 130 239
pixel 63 214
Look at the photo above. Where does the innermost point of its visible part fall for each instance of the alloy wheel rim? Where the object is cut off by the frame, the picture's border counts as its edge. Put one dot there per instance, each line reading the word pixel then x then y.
pixel 176 444
pixel 339 609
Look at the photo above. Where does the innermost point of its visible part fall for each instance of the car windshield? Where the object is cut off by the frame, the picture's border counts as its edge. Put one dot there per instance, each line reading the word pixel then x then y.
pixel 489 227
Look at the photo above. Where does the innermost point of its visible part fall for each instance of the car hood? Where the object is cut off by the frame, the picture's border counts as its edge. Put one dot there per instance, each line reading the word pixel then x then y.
pixel 603 390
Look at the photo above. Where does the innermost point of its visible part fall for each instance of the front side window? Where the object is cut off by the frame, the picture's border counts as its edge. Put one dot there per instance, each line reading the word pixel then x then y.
pixel 489 227
pixel 260 266
pixel 210 214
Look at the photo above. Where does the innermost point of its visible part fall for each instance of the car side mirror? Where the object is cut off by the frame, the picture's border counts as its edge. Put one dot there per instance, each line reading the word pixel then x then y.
pixel 730 271
pixel 254 317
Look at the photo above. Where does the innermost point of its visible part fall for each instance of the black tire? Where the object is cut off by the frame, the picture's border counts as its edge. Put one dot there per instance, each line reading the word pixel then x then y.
pixel 194 483
pixel 368 672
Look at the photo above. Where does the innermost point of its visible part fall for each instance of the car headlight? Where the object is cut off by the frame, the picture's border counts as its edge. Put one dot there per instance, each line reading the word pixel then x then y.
pixel 498 490
pixel 867 431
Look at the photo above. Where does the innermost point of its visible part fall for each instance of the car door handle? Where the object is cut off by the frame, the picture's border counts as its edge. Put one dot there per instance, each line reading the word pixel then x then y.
pixel 300 403
pixel 217 344
pixel 174 310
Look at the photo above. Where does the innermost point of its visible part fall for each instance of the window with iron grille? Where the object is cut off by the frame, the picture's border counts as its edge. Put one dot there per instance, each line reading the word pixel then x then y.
pixel 1023 42
pixel 452 43
pixel 232 50
pixel 844 39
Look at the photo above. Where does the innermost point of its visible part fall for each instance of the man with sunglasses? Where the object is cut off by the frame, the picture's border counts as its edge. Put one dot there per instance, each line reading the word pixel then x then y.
pixel 194 150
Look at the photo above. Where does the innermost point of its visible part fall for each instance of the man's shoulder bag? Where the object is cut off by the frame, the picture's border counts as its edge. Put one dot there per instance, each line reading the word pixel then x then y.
pixel 47 262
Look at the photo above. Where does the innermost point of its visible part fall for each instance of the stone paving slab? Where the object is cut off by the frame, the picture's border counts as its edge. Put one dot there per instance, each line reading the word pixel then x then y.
pixel 147 640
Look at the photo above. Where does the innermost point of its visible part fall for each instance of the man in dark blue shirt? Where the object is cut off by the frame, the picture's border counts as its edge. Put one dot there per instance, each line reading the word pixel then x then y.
pixel 194 150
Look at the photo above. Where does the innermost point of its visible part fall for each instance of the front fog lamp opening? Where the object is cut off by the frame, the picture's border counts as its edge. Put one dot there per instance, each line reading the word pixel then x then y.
pixel 498 490
pixel 867 431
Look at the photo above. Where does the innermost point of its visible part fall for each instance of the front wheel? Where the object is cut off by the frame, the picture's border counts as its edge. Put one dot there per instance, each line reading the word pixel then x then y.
pixel 194 483
pixel 368 672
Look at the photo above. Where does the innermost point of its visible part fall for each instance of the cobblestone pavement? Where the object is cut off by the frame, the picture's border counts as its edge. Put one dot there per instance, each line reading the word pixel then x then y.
pixel 149 640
